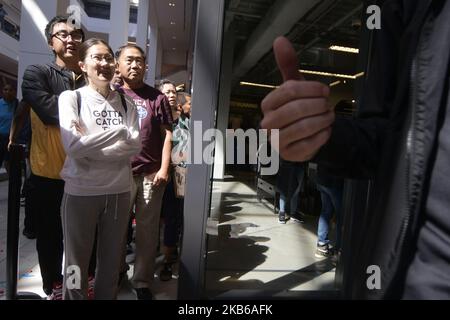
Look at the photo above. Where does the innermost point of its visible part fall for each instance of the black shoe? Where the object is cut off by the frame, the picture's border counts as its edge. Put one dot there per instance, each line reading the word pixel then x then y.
pixel 166 273
pixel 144 294
pixel 282 218
pixel 29 234
pixel 297 218
pixel 323 251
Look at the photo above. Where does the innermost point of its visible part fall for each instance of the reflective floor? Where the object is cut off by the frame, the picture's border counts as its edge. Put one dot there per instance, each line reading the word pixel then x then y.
pixel 249 254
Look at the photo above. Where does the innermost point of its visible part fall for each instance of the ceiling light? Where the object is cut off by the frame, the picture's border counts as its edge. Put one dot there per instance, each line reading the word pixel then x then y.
pixel 172 23
pixel 344 49
pixel 243 83
pixel 174 49
pixel 325 74
pixel 171 4
pixel 329 74
pixel 335 83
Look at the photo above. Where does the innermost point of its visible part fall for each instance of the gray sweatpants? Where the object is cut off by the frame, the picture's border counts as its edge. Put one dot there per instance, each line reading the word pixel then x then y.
pixel 80 217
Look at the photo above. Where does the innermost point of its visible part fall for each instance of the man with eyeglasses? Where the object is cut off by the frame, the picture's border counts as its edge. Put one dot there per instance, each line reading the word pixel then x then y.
pixel 41 87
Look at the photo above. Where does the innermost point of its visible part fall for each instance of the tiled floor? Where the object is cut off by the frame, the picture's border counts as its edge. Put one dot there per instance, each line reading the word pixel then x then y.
pixel 249 254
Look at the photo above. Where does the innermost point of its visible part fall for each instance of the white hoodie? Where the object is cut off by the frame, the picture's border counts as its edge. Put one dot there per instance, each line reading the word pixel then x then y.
pixel 98 159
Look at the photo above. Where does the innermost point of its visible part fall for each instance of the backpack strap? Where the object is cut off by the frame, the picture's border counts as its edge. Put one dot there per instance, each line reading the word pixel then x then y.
pixel 78 101
pixel 124 102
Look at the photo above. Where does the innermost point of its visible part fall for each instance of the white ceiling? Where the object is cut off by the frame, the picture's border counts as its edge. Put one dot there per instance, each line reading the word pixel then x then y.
pixel 181 16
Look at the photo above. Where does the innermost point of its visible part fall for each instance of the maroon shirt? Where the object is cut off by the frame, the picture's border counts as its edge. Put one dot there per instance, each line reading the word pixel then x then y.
pixel 154 110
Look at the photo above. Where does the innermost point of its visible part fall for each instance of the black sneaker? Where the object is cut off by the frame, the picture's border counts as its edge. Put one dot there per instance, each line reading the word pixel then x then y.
pixel 282 218
pixel 323 251
pixel 166 273
pixel 144 294
pixel 298 218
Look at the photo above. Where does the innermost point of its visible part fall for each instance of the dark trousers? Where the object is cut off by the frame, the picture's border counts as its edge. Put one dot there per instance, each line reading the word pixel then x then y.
pixel 4 153
pixel 172 213
pixel 46 196
pixel 30 220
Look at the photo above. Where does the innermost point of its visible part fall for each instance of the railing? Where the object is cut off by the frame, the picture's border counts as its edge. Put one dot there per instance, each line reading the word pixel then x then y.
pixel 10 28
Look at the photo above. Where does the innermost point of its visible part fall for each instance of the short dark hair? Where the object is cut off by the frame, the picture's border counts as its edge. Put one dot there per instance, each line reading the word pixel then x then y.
pixel 55 21
pixel 127 46
pixel 163 82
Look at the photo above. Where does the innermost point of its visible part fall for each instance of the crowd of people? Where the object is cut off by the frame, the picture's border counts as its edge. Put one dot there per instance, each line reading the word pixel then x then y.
pixel 102 141
pixel 100 149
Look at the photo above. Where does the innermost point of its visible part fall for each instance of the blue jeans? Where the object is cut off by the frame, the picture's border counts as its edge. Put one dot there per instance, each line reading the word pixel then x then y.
pixel 289 184
pixel 331 201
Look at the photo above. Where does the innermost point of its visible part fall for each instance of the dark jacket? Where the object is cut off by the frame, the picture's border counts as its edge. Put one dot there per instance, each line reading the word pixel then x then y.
pixel 390 143
pixel 42 85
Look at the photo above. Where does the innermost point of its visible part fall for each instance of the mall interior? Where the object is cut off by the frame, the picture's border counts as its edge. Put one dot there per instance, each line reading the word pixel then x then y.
pixel 220 51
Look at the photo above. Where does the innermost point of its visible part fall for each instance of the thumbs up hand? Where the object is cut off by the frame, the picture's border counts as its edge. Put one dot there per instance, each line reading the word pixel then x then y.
pixel 298 108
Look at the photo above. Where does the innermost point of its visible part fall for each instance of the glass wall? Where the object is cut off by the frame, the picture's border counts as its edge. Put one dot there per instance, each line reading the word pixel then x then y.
pixel 235 243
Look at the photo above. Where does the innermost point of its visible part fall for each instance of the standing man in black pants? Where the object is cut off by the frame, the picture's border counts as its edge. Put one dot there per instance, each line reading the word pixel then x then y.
pixel 41 87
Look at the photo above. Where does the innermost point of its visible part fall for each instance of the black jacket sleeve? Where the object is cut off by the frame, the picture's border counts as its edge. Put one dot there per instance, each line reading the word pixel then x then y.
pixel 355 147
pixel 39 95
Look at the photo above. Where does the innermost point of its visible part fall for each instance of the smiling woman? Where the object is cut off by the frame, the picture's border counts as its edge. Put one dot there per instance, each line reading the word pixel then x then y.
pixel 99 130
pixel 97 63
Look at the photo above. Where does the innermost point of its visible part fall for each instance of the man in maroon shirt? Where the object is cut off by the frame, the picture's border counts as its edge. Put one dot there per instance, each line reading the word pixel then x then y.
pixel 150 166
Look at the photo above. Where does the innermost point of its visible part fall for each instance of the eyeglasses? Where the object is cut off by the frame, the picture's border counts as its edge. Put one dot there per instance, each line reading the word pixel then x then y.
pixel 64 35
pixel 98 58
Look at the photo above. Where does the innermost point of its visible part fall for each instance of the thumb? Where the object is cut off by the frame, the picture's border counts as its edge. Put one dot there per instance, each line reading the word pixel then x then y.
pixel 286 59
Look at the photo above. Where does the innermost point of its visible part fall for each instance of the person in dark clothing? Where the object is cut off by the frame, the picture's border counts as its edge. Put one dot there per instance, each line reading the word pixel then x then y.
pixel 289 184
pixel 8 105
pixel 331 189
pixel 41 87
pixel 400 140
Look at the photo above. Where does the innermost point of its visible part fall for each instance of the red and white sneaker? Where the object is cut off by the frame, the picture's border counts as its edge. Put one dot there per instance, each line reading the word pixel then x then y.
pixel 91 284
pixel 56 292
